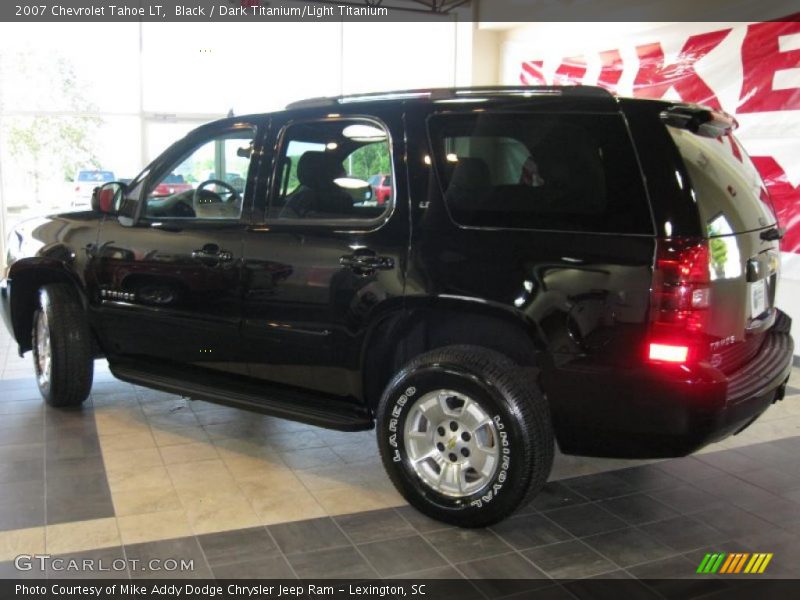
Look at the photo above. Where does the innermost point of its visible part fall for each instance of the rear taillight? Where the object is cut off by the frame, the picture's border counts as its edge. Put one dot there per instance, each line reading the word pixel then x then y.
pixel 679 300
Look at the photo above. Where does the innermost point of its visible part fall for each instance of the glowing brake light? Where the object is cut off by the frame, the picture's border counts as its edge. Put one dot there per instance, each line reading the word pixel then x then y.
pixel 668 353
pixel 679 300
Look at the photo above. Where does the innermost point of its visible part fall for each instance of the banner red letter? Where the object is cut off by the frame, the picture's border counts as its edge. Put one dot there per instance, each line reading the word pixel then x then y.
pixel 761 59
pixel 655 78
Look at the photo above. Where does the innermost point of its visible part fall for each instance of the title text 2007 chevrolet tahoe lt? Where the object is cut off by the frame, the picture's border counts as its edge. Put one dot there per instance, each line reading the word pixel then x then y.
pixel 552 264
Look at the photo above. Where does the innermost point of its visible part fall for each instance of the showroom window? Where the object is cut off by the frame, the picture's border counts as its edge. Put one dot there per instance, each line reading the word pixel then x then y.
pixel 208 184
pixel 326 169
pixel 571 172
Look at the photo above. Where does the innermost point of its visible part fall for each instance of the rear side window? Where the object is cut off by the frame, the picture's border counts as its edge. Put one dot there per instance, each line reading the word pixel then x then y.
pixel 540 171
pixel 730 194
pixel 326 170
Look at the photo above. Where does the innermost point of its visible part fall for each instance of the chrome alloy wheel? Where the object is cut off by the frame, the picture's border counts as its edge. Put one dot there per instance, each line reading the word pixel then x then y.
pixel 43 358
pixel 452 443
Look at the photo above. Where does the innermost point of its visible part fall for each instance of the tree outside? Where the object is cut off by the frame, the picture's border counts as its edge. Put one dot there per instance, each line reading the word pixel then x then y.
pixel 47 146
pixel 369 160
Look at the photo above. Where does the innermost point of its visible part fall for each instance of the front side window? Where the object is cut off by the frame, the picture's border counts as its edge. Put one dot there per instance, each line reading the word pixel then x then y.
pixel 329 171
pixel 208 183
pixel 570 172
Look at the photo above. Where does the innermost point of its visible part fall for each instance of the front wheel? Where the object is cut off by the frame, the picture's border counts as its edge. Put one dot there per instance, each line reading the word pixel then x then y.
pixel 62 349
pixel 465 435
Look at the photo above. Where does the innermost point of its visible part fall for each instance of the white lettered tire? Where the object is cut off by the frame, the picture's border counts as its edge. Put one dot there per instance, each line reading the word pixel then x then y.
pixel 465 435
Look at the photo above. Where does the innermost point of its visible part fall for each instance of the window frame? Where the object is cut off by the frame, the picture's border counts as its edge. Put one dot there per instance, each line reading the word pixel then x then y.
pixel 338 225
pixel 438 176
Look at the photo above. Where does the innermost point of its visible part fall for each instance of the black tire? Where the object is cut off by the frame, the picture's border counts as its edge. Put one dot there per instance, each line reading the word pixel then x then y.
pixel 508 394
pixel 61 318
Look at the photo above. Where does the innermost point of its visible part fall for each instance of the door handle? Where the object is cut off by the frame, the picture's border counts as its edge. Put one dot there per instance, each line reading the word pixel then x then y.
pixel 367 262
pixel 212 253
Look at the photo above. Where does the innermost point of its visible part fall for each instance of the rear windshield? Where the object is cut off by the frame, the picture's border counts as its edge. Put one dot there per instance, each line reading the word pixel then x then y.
pixel 730 194
pixel 571 172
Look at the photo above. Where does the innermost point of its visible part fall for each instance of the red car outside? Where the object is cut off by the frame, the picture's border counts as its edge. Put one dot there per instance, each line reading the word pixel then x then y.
pixel 381 188
pixel 172 184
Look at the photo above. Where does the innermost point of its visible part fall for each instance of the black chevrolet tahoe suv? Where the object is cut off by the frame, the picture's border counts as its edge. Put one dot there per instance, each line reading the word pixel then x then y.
pixel 552 265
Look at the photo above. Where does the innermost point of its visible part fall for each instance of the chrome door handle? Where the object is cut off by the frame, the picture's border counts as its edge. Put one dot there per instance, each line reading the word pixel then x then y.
pixel 367 262
pixel 210 255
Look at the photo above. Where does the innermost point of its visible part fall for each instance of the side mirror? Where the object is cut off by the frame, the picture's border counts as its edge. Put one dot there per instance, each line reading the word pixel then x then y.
pixel 107 198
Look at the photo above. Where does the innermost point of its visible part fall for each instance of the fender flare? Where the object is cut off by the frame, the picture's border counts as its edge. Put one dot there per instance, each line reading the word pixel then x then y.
pixel 26 276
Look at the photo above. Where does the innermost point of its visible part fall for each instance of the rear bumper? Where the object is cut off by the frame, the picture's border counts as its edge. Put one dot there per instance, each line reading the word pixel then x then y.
pixel 651 413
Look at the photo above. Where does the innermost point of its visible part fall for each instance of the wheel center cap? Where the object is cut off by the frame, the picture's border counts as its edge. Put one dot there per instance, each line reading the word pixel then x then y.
pixel 451 443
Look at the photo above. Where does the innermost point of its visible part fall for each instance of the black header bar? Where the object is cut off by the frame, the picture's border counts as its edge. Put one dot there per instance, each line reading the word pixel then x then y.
pixel 489 11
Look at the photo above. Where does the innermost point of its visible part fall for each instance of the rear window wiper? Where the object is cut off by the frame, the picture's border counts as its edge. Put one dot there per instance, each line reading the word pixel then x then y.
pixel 773 234
pixel 700 120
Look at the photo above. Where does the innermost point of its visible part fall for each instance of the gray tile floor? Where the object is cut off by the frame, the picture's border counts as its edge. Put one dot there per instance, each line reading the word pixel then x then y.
pixel 51 467
pixel 136 475
pixel 652 521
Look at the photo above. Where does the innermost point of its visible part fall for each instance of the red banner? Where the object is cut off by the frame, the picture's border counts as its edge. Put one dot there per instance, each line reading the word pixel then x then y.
pixel 749 70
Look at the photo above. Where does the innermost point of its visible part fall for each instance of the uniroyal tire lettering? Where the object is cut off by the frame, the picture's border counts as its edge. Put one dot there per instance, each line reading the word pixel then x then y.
pixel 504 465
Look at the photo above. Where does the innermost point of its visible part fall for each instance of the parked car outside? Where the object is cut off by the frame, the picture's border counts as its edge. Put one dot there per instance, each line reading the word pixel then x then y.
pixel 563 266
pixel 85 181
pixel 381 188
pixel 172 184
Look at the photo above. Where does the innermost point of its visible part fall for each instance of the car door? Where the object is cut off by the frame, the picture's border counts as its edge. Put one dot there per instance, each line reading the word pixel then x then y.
pixel 326 259
pixel 169 283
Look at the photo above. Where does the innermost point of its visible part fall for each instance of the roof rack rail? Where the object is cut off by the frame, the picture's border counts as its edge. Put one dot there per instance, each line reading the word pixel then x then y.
pixel 443 94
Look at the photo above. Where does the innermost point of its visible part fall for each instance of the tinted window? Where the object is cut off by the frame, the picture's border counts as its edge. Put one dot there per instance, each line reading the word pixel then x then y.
pixel 325 169
pixel 555 172
pixel 731 196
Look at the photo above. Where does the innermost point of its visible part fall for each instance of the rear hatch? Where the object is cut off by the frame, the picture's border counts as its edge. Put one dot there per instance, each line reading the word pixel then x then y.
pixel 742 236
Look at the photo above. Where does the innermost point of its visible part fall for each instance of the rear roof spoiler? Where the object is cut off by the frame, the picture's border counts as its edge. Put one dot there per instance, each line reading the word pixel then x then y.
pixel 699 119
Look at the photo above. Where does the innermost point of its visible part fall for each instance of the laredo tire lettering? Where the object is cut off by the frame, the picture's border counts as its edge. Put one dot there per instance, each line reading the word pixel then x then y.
pixel 396 412
pixel 512 404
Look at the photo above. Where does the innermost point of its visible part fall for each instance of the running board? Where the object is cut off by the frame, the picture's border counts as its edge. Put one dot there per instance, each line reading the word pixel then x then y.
pixel 261 397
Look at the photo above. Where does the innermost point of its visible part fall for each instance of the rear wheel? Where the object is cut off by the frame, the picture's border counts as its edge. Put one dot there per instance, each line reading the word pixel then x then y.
pixel 465 435
pixel 62 352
